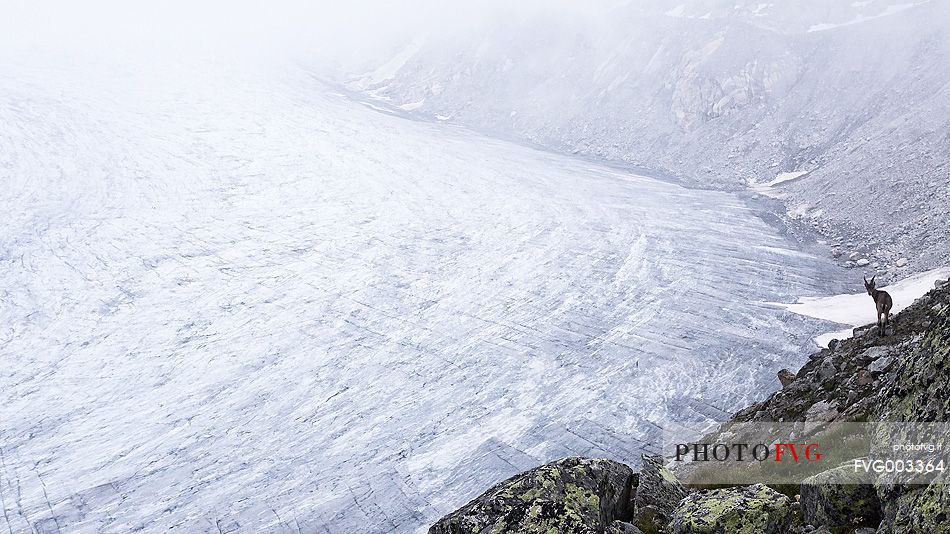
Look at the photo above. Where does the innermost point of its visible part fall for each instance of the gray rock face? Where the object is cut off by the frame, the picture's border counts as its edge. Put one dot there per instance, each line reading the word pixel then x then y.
pixel 924 509
pixel 881 364
pixel 834 498
pixel 572 495
pixel 658 494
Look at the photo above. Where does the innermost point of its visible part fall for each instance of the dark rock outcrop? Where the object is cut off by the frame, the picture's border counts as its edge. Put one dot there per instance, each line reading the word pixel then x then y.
pixel 903 377
pixel 839 498
pixel 657 495
pixel 572 495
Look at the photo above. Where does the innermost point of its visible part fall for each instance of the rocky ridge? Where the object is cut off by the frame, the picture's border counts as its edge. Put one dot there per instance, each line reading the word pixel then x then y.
pixel 901 377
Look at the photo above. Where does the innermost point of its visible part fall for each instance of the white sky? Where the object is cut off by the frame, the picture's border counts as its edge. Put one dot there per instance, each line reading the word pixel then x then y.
pixel 339 31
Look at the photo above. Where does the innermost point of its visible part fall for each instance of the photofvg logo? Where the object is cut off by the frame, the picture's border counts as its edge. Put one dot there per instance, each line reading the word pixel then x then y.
pixel 790 452
pixel 744 452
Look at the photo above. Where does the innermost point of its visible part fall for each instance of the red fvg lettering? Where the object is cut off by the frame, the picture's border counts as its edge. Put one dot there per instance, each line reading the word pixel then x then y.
pixel 810 451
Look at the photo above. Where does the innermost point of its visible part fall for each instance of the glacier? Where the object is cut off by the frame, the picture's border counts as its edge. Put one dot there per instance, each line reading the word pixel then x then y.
pixel 236 300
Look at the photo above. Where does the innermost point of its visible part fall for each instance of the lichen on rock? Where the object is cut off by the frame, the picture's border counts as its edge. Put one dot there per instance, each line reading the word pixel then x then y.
pixel 839 498
pixel 622 527
pixel 658 494
pixel 924 509
pixel 919 391
pixel 571 495
pixel 755 509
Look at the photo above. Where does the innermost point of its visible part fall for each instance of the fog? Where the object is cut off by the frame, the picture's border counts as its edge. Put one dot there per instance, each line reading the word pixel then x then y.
pixel 342 35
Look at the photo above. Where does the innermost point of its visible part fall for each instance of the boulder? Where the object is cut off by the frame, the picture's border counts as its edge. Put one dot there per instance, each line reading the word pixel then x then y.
pixel 754 509
pixel 622 527
pixel 658 494
pixel 839 498
pixel 827 370
pixel 863 377
pixel 821 412
pixel 786 377
pixel 881 365
pixel 571 495
pixel 919 509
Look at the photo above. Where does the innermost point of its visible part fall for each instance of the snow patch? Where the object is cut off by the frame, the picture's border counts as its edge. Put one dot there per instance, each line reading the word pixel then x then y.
pixel 768 188
pixel 786 177
pixel 857 309
pixel 413 105
pixel 375 107
pixel 891 10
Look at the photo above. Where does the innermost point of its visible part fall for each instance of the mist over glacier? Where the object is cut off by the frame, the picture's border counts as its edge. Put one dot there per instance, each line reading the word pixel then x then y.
pixel 238 298
pixel 853 97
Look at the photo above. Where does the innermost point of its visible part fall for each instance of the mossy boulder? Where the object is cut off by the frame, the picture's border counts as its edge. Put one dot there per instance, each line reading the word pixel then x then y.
pixel 919 509
pixel 571 495
pixel 754 509
pixel 840 498
pixel 658 494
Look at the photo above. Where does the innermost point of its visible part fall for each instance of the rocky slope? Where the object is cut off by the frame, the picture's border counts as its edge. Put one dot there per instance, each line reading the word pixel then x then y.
pixel 839 108
pixel 901 377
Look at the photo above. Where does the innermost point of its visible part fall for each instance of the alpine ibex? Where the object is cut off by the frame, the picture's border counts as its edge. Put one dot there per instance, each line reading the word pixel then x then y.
pixel 883 303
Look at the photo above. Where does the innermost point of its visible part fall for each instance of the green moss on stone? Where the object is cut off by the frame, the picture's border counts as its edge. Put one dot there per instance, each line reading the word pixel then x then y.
pixel 839 497
pixel 754 509
pixel 572 495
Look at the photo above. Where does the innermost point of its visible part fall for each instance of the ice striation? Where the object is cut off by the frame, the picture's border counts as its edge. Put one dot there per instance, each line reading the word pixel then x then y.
pixel 233 300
